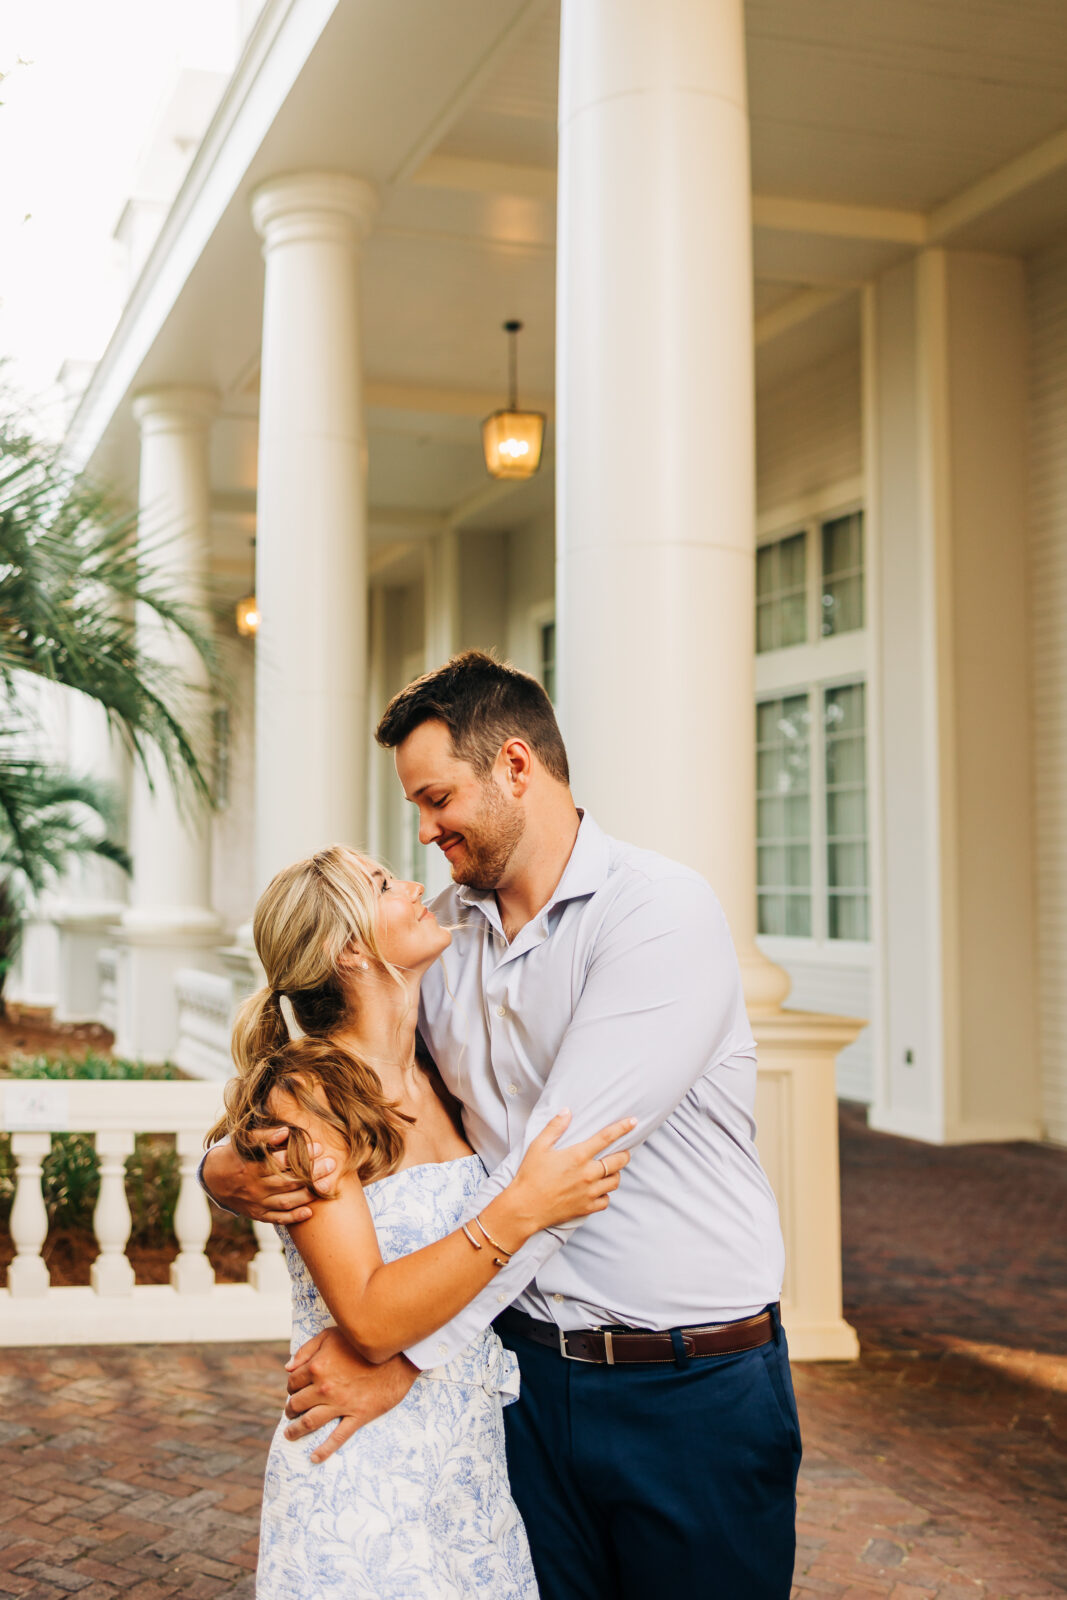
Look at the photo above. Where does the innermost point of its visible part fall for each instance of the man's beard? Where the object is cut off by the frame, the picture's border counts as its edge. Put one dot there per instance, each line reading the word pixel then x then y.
pixel 490 844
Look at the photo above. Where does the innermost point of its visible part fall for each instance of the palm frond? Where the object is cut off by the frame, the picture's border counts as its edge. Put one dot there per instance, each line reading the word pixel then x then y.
pixel 47 816
pixel 76 590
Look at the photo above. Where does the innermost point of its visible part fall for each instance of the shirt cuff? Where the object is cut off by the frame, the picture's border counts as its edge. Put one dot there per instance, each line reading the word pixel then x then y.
pixel 200 1179
pixel 444 1345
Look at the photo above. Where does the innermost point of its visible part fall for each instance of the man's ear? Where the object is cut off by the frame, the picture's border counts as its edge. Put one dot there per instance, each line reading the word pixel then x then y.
pixel 517 763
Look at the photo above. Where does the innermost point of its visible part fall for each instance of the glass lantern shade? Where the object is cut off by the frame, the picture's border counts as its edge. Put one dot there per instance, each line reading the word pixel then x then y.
pixel 247 617
pixel 512 442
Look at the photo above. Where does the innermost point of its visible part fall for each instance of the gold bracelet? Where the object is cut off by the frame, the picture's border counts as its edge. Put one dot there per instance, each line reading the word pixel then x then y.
pixel 477 1243
pixel 509 1253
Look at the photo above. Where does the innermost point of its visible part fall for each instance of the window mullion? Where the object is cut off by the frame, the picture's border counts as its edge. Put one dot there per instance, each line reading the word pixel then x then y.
pixel 820 922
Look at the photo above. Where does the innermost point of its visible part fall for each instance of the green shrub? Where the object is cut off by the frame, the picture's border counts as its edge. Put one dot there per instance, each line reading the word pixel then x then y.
pixel 71 1171
pixel 94 1067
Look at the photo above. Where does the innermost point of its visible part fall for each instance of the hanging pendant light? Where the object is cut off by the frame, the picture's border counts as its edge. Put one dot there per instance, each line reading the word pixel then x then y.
pixel 247 611
pixel 512 439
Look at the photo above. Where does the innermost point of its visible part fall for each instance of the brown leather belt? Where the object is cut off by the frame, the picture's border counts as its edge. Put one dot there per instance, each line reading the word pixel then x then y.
pixel 612 1346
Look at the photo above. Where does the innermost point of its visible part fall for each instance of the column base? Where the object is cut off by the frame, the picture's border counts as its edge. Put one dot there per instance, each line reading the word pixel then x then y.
pixel 34 981
pixel 819 1341
pixel 796 1115
pixel 151 951
pixel 83 929
pixel 931 1128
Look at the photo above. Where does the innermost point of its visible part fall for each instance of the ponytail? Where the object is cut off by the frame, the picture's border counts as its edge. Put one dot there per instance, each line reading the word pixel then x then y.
pixel 305 920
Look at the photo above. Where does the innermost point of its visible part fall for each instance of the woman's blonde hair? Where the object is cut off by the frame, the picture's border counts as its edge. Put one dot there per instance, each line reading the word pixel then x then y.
pixel 305 920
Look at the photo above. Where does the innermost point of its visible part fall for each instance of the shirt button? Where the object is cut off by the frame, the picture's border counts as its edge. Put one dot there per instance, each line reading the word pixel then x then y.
pixel 558 1298
pixel 501 1299
pixel 442 1349
pixel 501 1011
pixel 513 1088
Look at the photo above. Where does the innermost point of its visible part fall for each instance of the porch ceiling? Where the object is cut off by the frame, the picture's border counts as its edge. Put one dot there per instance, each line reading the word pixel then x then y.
pixel 869 122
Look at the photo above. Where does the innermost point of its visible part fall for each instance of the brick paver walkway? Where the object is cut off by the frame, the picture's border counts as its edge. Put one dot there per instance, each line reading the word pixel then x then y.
pixel 935 1467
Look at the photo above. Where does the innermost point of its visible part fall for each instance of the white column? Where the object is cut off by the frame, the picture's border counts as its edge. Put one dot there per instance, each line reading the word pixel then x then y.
pixel 655 456
pixel 311 544
pixel 170 840
pixel 947 340
pixel 655 469
pixel 94 892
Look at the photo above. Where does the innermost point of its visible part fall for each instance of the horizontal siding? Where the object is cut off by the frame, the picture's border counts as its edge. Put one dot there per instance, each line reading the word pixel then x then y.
pixel 1047 307
pixel 808 431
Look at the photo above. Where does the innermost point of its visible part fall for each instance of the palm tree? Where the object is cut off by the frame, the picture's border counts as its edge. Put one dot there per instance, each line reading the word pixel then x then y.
pixel 47 817
pixel 72 577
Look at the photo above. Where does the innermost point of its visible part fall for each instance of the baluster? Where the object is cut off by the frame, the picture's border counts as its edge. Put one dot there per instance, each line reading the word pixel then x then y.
pixel 192 1272
pixel 112 1273
pixel 267 1271
pixel 27 1275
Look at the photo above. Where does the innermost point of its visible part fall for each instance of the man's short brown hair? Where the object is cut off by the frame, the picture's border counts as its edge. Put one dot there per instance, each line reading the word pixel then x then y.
pixel 483 703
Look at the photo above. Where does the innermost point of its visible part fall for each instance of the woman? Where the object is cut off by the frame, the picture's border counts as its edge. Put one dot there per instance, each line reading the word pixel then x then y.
pixel 417 1503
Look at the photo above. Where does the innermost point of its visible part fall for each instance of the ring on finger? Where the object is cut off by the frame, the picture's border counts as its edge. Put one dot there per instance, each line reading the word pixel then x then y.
pixel 603 1165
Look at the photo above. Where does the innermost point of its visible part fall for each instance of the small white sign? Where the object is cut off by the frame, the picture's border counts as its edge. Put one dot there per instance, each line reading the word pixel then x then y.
pixel 35 1105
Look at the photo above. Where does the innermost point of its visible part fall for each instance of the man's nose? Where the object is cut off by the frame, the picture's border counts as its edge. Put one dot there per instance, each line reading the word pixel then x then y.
pixel 428 830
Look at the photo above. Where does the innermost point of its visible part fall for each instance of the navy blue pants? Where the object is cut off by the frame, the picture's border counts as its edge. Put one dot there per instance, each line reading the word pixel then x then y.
pixel 641 1481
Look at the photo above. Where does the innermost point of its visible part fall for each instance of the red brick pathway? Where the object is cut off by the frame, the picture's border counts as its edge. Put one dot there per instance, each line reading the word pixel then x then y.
pixel 935 1467
pixel 937 1464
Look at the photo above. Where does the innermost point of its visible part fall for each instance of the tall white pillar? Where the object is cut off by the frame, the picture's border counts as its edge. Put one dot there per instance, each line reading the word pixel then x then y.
pixel 311 541
pixel 655 458
pixel 947 359
pixel 655 472
pixel 94 892
pixel 170 896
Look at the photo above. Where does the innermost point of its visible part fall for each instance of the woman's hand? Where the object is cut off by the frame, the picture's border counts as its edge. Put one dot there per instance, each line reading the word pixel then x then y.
pixel 553 1185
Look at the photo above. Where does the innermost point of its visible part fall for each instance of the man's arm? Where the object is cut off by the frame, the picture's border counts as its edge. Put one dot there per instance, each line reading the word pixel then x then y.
pixel 250 1189
pixel 661 1001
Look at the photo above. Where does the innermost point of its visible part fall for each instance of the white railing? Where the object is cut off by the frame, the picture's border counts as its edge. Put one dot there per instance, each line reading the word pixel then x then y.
pixel 206 1003
pixel 113 1309
pixel 796 1110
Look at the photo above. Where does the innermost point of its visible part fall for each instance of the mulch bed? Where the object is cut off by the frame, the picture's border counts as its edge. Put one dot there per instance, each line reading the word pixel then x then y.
pixel 29 1033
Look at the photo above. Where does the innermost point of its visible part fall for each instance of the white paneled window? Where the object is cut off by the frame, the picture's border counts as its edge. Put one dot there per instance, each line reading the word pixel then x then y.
pixel 547 653
pixel 841 549
pixel 781 593
pixel 783 808
pixel 811 729
pixel 845 766
pixel 811 814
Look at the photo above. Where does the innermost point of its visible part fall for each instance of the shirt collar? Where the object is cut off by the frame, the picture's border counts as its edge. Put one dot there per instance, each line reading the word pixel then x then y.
pixel 586 871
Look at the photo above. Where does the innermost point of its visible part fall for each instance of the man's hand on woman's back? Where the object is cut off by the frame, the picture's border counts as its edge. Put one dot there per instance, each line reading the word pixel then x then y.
pixel 252 1190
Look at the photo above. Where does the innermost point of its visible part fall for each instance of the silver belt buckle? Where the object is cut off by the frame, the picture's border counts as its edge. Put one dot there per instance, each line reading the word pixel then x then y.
pixel 587 1361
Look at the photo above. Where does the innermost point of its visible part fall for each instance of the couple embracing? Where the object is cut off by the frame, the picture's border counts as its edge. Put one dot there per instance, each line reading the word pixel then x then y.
pixel 535 1261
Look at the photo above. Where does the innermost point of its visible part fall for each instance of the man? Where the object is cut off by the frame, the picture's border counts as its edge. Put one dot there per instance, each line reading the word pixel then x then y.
pixel 588 974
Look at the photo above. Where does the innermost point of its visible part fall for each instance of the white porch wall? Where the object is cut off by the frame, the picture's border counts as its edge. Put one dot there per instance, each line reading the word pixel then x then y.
pixel 809 431
pixel 402 628
pixel 809 438
pixel 1047 315
pixel 233 828
pixel 531 584
pixel 483 590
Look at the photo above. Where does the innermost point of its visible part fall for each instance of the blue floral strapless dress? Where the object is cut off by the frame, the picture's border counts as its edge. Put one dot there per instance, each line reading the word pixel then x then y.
pixel 416 1505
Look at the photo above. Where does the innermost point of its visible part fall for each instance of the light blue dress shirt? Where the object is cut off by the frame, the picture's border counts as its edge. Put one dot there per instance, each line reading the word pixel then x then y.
pixel 621 998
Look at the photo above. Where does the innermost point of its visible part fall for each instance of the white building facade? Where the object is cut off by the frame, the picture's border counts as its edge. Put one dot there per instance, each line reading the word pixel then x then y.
pixel 794 296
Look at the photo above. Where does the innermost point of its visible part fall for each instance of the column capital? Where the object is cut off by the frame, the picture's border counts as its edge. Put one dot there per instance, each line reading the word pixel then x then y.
pixel 304 206
pixel 175 408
